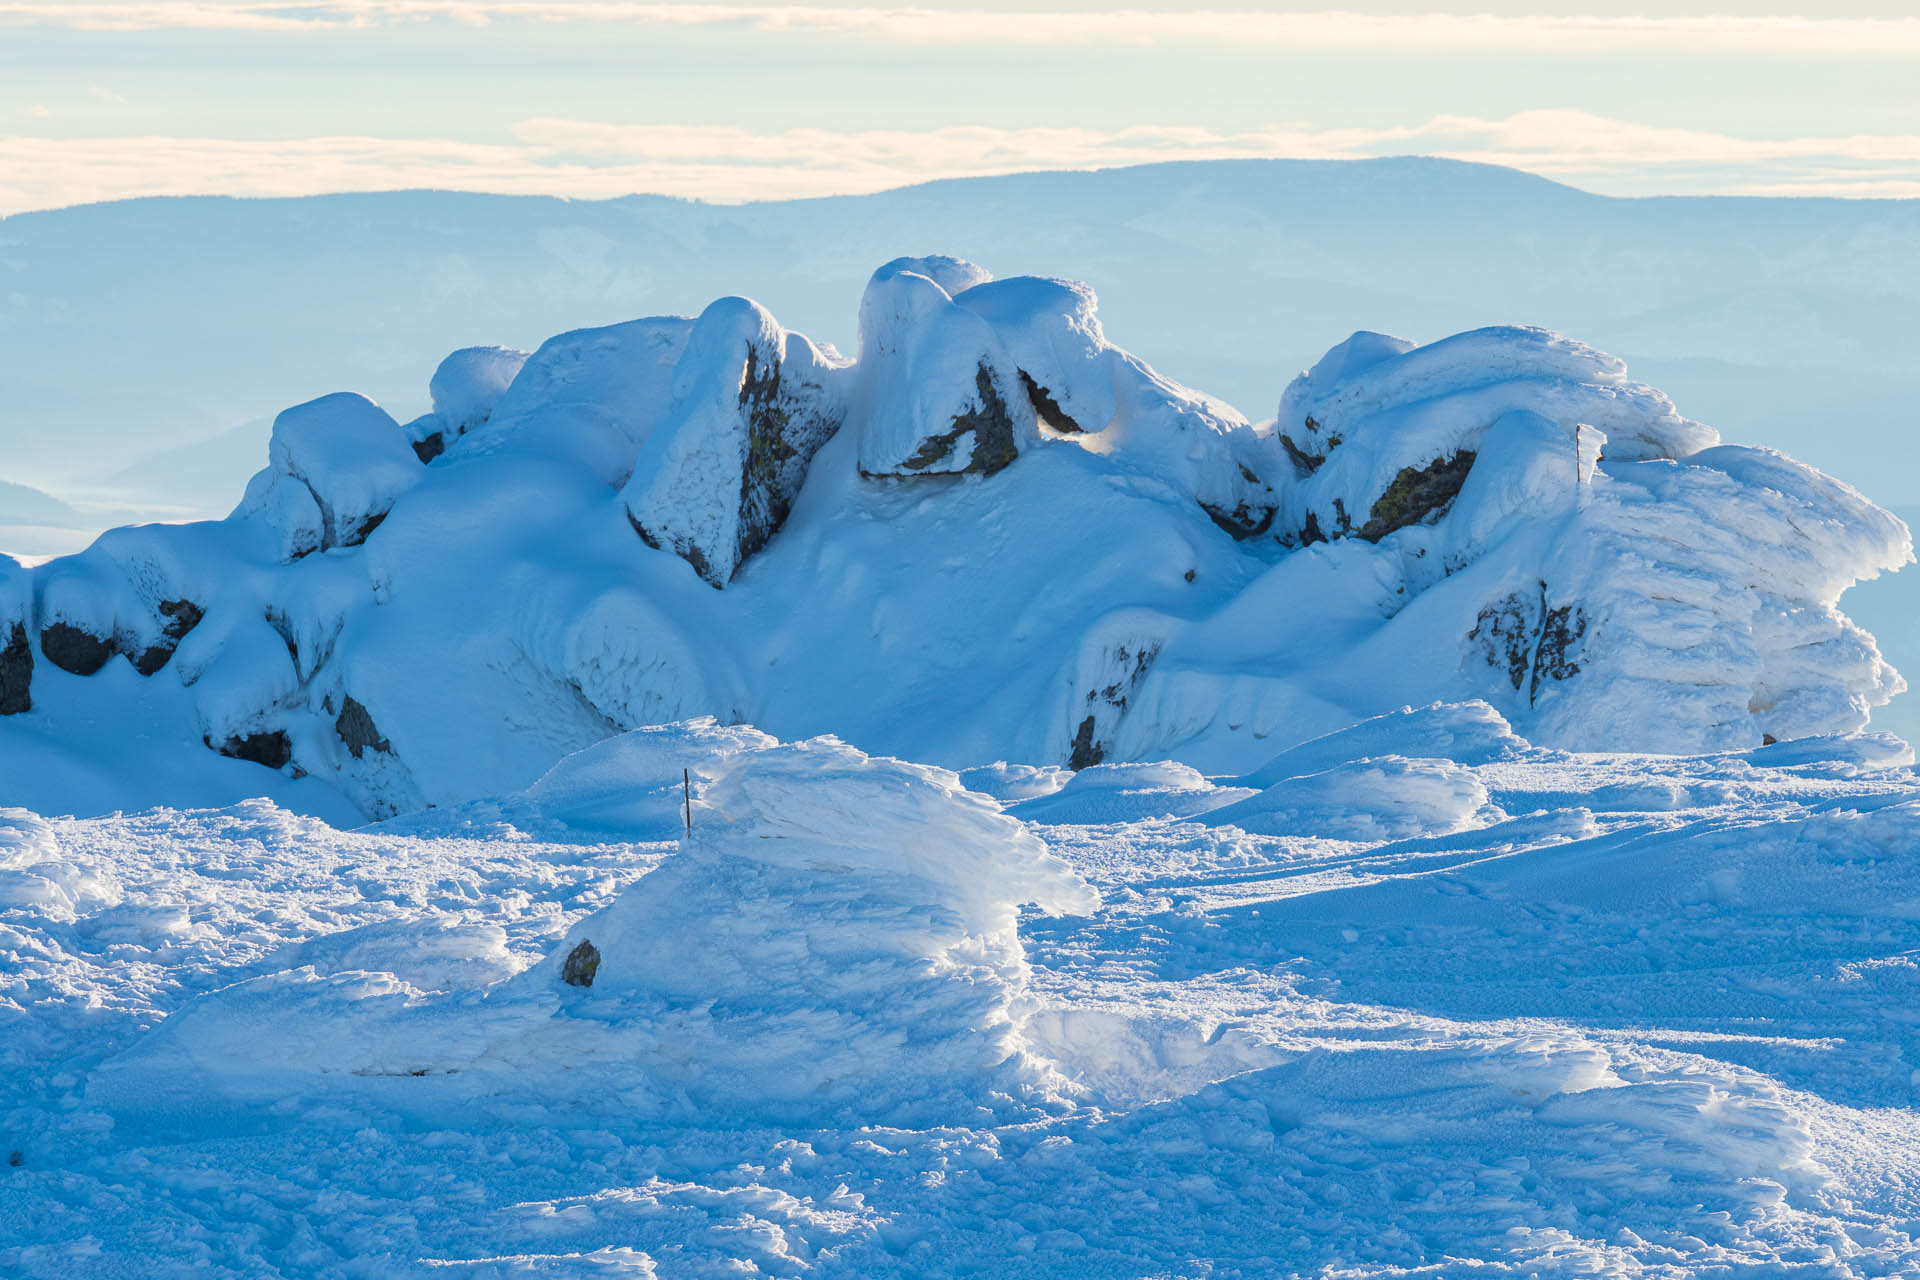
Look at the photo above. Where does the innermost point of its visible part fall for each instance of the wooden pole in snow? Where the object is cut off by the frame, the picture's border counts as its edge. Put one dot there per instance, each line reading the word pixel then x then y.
pixel 686 795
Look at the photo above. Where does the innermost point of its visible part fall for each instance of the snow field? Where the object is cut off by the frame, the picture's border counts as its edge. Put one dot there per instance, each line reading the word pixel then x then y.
pixel 1641 1017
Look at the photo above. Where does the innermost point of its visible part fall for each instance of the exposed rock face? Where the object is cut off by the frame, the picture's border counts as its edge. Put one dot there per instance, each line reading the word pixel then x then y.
pixel 580 965
pixel 1081 385
pixel 985 432
pixel 355 726
pixel 1416 494
pixel 1111 673
pixel 752 403
pixel 1528 640
pixel 16 671
pixel 74 650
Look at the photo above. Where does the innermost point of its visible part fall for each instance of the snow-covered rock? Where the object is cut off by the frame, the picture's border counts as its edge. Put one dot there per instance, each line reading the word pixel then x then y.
pixel 469 383
pixel 934 392
pixel 1383 434
pixel 752 403
pixel 1078 382
pixel 335 467
pixel 1500 517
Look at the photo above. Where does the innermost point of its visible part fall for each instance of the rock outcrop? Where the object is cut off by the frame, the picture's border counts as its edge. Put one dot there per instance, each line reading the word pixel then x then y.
pixel 752 403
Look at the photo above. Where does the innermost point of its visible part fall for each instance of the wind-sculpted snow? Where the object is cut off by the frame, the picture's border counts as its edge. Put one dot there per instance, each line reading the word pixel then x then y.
pixel 1532 1013
pixel 995 536
pixel 835 937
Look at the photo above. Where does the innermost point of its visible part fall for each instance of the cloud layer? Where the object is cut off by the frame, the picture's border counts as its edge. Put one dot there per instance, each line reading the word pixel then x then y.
pixel 588 160
pixel 1460 33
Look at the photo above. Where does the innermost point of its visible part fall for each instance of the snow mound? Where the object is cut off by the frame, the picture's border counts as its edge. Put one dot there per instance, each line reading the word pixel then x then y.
pixel 335 467
pixel 838 932
pixel 592 396
pixel 469 383
pixel 1388 798
pixel 1469 733
pixel 836 938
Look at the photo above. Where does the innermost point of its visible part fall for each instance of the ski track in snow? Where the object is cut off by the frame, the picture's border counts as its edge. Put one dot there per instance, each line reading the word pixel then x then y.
pixel 1644 1016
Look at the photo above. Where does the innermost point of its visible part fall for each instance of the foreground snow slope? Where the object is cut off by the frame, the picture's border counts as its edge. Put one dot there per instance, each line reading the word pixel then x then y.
pixel 994 535
pixel 1532 1014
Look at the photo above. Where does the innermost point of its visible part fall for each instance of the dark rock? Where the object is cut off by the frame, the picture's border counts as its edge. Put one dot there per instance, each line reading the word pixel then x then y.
pixel 1767 739
pixel 431 447
pixel 1085 752
pixel 1561 629
pixel 1529 640
pixel 580 965
pixel 1305 463
pixel 272 749
pixel 365 531
pixel 73 650
pixel 1242 522
pixel 1504 631
pixel 992 428
pixel 1417 493
pixel 763 506
pixel 181 616
pixel 356 728
pixel 16 672
pixel 1046 408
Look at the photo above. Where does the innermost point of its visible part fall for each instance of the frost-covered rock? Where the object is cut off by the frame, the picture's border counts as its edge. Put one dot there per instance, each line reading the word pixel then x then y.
pixel 1114 404
pixel 1383 434
pixel 934 392
pixel 1695 607
pixel 335 467
pixel 752 403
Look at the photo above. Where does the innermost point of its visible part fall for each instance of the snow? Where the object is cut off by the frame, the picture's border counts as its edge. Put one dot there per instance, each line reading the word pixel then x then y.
pixel 1643 1018
pixel 977 808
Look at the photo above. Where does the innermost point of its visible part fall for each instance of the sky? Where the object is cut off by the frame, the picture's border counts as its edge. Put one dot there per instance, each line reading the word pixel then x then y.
pixel 101 99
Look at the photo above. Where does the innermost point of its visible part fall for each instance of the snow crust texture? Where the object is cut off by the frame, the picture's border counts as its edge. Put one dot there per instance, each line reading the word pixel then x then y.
pixel 1479 1008
pixel 992 536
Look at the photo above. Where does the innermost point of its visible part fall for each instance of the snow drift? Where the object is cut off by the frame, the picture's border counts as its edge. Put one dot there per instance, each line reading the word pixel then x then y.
pixel 836 938
pixel 993 536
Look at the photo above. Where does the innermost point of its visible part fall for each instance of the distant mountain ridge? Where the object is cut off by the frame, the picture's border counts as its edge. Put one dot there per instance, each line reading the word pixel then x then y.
pixel 139 326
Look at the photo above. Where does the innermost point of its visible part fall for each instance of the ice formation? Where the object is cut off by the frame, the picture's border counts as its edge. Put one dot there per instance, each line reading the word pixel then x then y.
pixel 993 536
